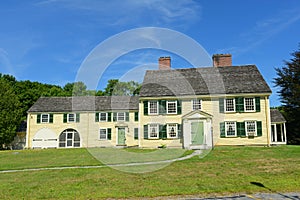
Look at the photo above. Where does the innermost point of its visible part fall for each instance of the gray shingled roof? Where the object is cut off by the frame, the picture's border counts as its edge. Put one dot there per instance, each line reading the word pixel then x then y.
pixel 276 116
pixel 88 103
pixel 202 81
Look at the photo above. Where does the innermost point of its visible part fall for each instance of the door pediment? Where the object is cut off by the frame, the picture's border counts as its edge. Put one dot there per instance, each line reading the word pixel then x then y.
pixel 197 114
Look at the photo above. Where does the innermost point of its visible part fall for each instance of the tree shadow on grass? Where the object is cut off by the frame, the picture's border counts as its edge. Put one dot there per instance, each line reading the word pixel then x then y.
pixel 263 186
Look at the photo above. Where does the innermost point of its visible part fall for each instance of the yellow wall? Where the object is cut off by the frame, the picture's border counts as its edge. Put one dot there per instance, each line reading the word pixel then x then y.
pixel 87 128
pixel 210 105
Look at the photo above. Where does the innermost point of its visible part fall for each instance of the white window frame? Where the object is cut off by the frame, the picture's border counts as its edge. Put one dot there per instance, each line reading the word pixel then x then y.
pixel 246 127
pixel 68 117
pixel 106 115
pixel 102 129
pixel 227 126
pixel 48 118
pixel 245 105
pixel 176 131
pixel 225 105
pixel 118 116
pixel 172 102
pixel 149 108
pixel 196 103
pixel 156 126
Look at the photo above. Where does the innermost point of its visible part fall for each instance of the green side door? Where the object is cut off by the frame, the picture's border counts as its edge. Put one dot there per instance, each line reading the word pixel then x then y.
pixel 121 136
pixel 197 133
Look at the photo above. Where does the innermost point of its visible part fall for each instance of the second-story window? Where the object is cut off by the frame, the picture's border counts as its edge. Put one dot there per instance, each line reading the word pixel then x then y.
pixel 229 105
pixel 249 104
pixel 120 116
pixel 171 107
pixel 71 117
pixel 153 107
pixel 103 117
pixel 45 118
pixel 196 104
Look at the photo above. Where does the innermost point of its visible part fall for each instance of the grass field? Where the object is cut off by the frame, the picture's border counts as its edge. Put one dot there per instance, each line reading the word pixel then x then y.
pixel 224 170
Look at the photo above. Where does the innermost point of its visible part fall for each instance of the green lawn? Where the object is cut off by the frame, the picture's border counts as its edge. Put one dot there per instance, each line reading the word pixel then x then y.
pixel 224 170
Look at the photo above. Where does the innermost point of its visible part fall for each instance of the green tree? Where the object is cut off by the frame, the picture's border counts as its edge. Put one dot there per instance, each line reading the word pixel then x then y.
pixel 288 81
pixel 117 88
pixel 77 89
pixel 10 113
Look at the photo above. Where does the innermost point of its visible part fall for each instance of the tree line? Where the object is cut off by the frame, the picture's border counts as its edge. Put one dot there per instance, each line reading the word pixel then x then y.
pixel 16 97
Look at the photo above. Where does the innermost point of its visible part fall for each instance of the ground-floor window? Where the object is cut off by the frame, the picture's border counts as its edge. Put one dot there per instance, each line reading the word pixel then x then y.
pixel 153 131
pixel 250 128
pixel 172 130
pixel 69 138
pixel 230 129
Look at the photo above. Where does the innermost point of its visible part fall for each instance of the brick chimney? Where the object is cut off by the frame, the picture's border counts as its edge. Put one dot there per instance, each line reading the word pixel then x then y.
pixel 164 63
pixel 222 60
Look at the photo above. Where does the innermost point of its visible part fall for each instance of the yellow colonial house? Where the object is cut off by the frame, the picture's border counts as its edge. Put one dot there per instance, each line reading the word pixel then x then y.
pixel 194 108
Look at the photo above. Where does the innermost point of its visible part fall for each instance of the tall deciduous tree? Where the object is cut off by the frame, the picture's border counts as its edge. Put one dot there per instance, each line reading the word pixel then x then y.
pixel 117 88
pixel 10 113
pixel 288 81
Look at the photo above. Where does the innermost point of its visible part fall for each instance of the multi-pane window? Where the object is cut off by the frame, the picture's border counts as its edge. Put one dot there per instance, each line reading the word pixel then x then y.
pixel 153 107
pixel 230 129
pixel 153 131
pixel 45 118
pixel 251 128
pixel 171 107
pixel 249 104
pixel 103 134
pixel 196 104
pixel 229 105
pixel 172 130
pixel 120 116
pixel 71 117
pixel 103 117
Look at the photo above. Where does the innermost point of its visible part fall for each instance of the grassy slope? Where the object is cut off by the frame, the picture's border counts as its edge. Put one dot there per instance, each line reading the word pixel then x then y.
pixel 224 170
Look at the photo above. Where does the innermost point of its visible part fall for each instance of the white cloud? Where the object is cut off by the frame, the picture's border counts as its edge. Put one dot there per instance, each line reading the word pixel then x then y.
pixel 137 13
pixel 264 30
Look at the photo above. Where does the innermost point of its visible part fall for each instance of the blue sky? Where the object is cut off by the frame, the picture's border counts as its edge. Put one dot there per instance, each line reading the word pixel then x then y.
pixel 48 40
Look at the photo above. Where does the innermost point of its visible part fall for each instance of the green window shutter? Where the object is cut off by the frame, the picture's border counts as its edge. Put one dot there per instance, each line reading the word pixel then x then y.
pixel 136 116
pixel 257 104
pixel 239 104
pixel 241 131
pixel 109 133
pixel 127 116
pixel 162 131
pixel 179 107
pixel 221 105
pixel 96 117
pixel 65 117
pixel 222 129
pixel 114 116
pixel 145 107
pixel 38 118
pixel 179 131
pixel 162 107
pixel 109 116
pixel 259 128
pixel 51 118
pixel 77 117
pixel 136 133
pixel 145 131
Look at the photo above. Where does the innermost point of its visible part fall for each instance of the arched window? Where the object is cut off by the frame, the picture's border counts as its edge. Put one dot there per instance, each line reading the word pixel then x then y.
pixel 69 138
